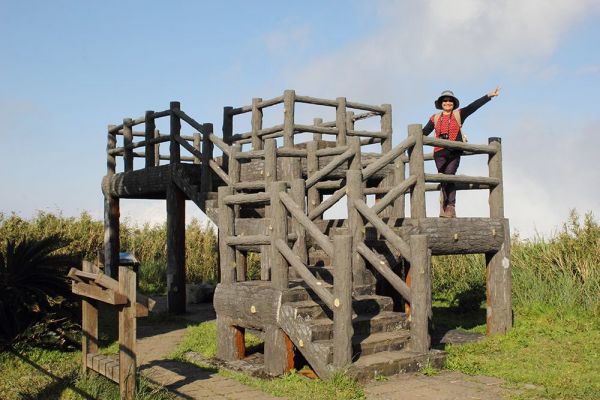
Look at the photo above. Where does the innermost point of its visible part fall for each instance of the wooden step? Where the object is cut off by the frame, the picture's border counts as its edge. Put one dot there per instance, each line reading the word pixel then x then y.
pixel 364 345
pixel 387 321
pixel 300 291
pixel 365 304
pixel 106 365
pixel 389 363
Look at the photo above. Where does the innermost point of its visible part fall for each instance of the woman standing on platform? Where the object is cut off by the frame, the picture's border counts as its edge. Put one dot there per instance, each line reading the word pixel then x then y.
pixel 447 125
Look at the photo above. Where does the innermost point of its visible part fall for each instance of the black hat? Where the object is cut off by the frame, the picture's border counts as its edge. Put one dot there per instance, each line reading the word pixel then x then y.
pixel 446 93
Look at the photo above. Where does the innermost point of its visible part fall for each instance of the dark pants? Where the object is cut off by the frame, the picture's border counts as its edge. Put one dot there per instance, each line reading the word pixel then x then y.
pixel 447 163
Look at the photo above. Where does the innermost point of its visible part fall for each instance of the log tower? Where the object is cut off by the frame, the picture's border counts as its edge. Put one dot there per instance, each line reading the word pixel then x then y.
pixel 351 293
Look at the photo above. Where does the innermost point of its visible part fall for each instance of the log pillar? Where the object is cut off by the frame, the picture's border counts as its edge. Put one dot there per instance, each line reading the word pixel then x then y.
pixel 149 128
pixel 175 250
pixel 174 149
pixel 127 334
pixel 420 292
pixel 279 225
pixel 279 351
pixel 356 223
pixel 230 340
pixel 226 228
pixel 89 322
pixel 111 236
pixel 128 140
pixel 342 293
pixel 416 165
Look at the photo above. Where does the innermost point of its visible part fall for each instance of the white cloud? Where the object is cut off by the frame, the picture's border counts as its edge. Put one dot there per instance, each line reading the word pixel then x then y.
pixel 286 39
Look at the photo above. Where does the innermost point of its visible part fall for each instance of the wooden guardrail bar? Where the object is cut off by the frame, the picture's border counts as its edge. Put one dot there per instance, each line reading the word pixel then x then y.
pixel 251 198
pixel 114 129
pixel 384 269
pixel 321 239
pixel 248 240
pixel 369 134
pixel 387 158
pixel 453 145
pixel 393 194
pixel 326 170
pixel 442 178
pixel 327 204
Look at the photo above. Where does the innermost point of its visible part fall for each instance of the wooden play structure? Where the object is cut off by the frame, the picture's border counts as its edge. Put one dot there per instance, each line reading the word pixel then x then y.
pixel 94 286
pixel 351 293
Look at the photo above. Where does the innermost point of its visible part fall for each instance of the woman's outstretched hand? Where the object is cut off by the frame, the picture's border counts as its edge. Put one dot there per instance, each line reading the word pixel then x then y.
pixel 494 92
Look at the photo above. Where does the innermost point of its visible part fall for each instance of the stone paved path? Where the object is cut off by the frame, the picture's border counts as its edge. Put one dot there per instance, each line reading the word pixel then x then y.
pixel 157 341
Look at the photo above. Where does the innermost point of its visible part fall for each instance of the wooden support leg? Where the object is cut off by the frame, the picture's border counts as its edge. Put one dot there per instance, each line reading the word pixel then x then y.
pixel 499 287
pixel 127 334
pixel 175 250
pixel 230 340
pixel 111 236
pixel 279 351
pixel 89 324
pixel 420 292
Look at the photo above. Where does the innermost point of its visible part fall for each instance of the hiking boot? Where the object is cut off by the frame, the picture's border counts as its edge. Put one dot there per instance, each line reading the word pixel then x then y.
pixel 450 212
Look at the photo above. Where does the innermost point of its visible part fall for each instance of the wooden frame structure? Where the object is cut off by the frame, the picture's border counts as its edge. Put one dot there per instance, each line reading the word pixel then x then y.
pixel 346 274
pixel 94 287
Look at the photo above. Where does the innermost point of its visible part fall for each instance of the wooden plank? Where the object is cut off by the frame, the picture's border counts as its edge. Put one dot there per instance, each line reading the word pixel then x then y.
pixel 250 198
pixel 399 177
pixel 420 341
pixel 97 293
pixel 340 121
pixel 127 335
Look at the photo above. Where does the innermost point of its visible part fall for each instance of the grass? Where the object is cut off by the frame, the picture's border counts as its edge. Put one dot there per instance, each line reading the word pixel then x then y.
pixel 34 373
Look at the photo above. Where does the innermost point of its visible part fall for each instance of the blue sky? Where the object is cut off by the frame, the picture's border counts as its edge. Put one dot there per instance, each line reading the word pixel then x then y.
pixel 70 68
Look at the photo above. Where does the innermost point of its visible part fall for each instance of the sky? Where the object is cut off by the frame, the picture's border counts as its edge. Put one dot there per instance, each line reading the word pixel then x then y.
pixel 70 68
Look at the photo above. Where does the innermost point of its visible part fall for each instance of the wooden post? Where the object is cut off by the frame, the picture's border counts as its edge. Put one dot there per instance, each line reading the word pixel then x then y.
pixel 496 199
pixel 312 166
pixel 498 273
pixel 420 292
pixel 227 133
pixel 386 128
pixel 230 340
pixel 340 121
pixel 416 165
pixel 235 171
pixel 207 155
pixel 127 140
pixel 342 294
pixel 279 351
pixel 226 228
pixel 175 250
pixel 297 190
pixel 499 287
pixel 111 236
pixel 356 223
pixel 399 177
pixel 197 140
pixel 156 149
pixel 257 121
pixel 279 265
pixel 270 175
pixel 317 122
pixel 127 334
pixel 174 149
pixel 290 166
pixel 89 323
pixel 149 128
pixel 111 144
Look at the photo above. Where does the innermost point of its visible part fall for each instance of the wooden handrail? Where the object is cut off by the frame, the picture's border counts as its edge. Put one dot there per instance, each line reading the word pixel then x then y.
pixel 306 222
pixel 393 194
pixel 384 269
pixel 251 198
pixel 327 204
pixel 333 164
pixel 478 180
pixel 387 158
pixel 116 128
pixel 454 145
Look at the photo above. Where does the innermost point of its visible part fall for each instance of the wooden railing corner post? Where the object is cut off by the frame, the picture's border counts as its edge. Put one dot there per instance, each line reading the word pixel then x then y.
pixel 340 121
pixel 278 227
pixel 417 168
pixel 386 128
pixel 420 293
pixel 149 127
pixel 257 122
pixel 127 140
pixel 174 150
pixel 496 199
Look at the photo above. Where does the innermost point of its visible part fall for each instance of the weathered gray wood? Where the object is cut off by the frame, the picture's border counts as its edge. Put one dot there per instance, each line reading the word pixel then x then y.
pixel 207 155
pixel 175 250
pixel 256 185
pixel 227 133
pixel 312 165
pixel 297 191
pixel 270 166
pixel 226 229
pixel 241 264
pixel 340 121
pixel 219 171
pixel 454 145
pixel 416 168
pixel 250 155
pixel 288 118
pixel 257 121
pixel 279 266
pixel 499 287
pixel 248 240
pixel 127 334
pixel 393 194
pixel 436 187
pixel 496 199
pixel 317 213
pixel 388 157
pixel 317 122
pixel 399 177
pixel 316 101
pixel 479 180
pixel 288 152
pixel 365 107
pixel 149 128
pixel 156 149
pixel 385 270
pixel 420 289
pixel 234 164
pixel 383 229
pixel 386 128
pixel 265 253
pixel 356 223
pixel 342 302
pixel 127 140
pixel 111 143
pixel 333 164
pixel 303 220
pixel 356 161
pixel 250 304
pixel 368 134
pixel 111 235
pixel 331 151
pixel 175 131
pixel 301 269
pixel 89 323
pixel 249 198
pixel 230 340
pixel 198 154
pixel 279 351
